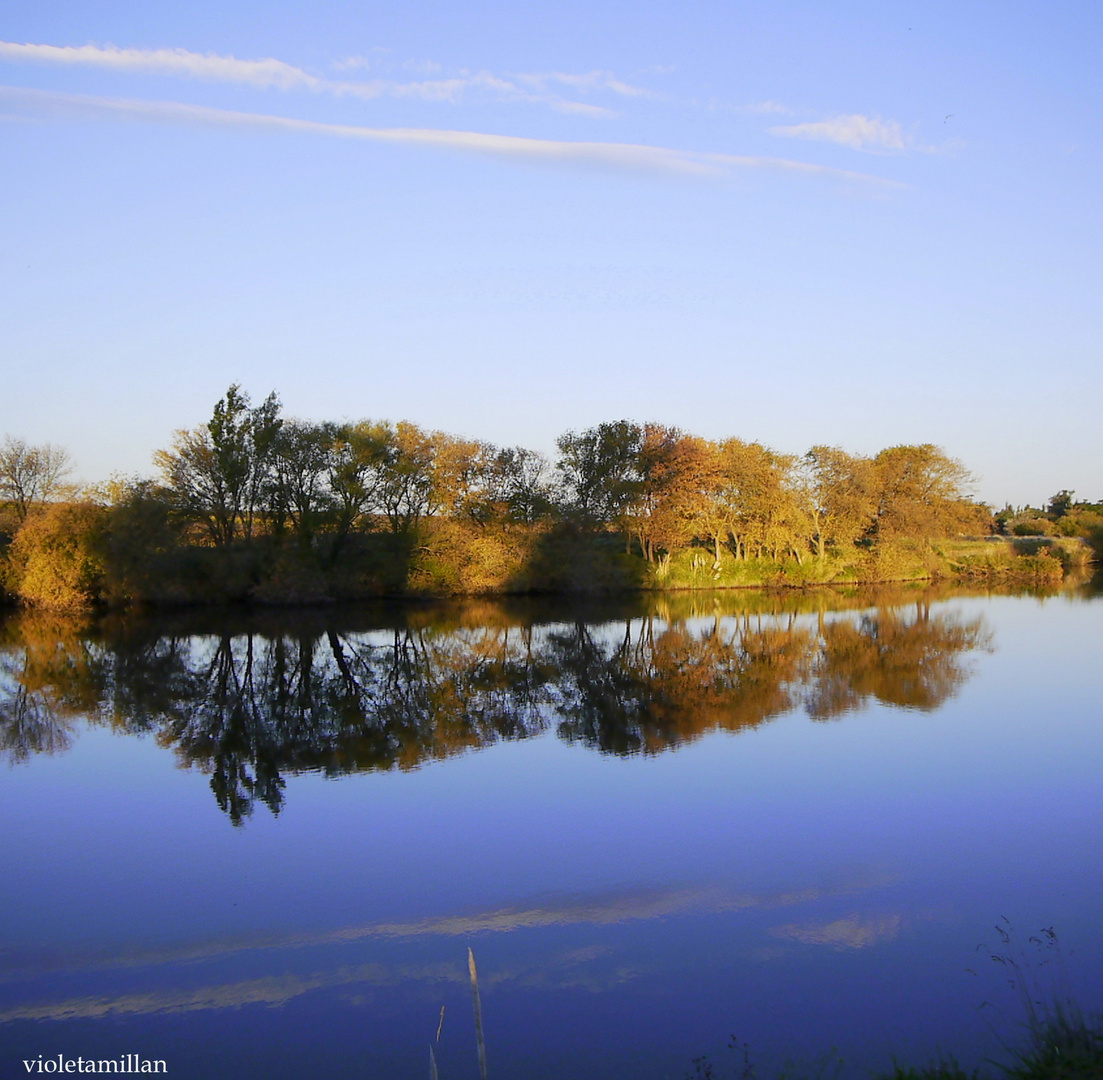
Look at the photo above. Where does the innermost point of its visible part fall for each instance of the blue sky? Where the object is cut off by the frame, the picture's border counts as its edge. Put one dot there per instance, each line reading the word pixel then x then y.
pixel 853 223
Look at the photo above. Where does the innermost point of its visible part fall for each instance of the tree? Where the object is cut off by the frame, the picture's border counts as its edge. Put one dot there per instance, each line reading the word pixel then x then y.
pixel 1061 503
pixel 921 493
pixel 519 484
pixel 30 475
pixel 300 495
pixel 357 455
pixel 406 489
pixel 675 478
pixel 600 470
pixel 219 473
pixel 839 495
pixel 57 556
pixel 753 500
pixel 462 473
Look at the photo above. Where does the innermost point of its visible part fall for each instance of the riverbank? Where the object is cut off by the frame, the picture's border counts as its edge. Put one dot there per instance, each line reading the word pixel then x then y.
pixel 81 555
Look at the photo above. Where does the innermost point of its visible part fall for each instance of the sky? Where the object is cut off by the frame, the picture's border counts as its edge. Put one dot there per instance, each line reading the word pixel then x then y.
pixel 855 224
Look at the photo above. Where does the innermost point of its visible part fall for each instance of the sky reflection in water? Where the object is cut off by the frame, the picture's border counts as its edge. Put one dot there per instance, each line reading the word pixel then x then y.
pixel 636 883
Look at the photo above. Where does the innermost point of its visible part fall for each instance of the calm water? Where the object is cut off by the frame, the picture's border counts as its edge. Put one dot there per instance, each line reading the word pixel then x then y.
pixel 262 848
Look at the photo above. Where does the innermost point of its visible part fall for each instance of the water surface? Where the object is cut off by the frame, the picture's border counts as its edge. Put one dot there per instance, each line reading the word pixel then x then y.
pixel 261 846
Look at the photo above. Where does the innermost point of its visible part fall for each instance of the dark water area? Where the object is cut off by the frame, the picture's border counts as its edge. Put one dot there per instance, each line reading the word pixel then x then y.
pixel 262 844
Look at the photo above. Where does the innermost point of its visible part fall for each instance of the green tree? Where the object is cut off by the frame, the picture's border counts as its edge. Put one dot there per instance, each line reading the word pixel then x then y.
pixel 520 486
pixel 1060 504
pixel 300 496
pixel 141 538
pixel 600 471
pixel 357 456
pixel 407 491
pixel 219 473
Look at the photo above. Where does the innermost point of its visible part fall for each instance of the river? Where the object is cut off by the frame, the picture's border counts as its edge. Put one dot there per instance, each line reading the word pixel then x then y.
pixel 261 845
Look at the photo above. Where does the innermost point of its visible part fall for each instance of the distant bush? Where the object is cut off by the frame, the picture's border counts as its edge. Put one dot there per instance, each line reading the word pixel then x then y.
pixel 1033 527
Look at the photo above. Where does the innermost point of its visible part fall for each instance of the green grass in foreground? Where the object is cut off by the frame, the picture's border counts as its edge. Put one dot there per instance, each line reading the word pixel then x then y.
pixel 1060 1041
pixel 1067 1046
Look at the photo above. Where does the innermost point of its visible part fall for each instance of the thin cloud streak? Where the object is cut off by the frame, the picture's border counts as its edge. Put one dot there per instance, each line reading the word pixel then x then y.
pixel 624 156
pixel 257 73
pixel 856 131
pixel 273 991
pixel 270 73
pixel 605 910
pixel 592 80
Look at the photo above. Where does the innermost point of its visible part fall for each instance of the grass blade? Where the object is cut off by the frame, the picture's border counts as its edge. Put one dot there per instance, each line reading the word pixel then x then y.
pixel 478 1013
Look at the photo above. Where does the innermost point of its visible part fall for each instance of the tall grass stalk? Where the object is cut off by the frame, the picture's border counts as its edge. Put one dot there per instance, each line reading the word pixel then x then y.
pixel 478 1012
pixel 1063 1043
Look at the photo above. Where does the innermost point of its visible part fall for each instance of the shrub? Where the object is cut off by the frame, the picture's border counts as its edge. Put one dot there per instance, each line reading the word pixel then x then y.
pixel 1033 527
pixel 55 557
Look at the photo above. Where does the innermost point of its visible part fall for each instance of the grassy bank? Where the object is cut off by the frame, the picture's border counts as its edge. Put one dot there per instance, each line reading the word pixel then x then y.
pixel 993 561
pixel 79 555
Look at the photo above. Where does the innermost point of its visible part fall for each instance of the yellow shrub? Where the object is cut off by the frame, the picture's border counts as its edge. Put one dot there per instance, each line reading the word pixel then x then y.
pixel 55 561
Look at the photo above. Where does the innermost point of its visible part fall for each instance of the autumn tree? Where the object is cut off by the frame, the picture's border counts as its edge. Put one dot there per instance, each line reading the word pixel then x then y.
pixel 56 556
pixel 30 475
pixel 920 493
pixel 675 478
pixel 753 501
pixel 462 475
pixel 839 495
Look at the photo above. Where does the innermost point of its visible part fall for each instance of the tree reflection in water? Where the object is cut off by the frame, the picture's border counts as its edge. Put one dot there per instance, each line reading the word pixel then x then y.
pixel 250 705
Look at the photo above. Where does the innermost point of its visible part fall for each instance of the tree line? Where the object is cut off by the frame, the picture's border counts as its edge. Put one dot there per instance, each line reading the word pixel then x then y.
pixel 305 509
pixel 250 471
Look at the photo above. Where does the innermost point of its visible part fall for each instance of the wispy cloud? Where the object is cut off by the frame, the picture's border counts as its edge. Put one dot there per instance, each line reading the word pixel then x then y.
pixel 855 931
pixel 856 131
pixel 360 63
pixel 258 73
pixel 564 971
pixel 632 157
pixel 592 80
pixel 270 73
pixel 607 909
